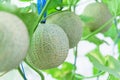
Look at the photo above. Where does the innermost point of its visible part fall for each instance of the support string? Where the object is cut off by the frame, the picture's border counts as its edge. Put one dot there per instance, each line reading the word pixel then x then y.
pixel 40 5
pixel 23 71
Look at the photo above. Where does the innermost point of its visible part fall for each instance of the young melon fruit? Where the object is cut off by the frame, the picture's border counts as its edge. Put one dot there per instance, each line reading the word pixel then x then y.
pixel 99 14
pixel 49 47
pixel 70 23
pixel 14 41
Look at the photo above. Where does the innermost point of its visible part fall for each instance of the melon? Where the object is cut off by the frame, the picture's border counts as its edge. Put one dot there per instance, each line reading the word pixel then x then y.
pixel 49 47
pixel 14 41
pixel 99 14
pixel 70 23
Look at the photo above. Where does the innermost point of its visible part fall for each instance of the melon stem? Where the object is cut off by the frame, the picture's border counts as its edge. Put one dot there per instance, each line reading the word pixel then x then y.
pixel 42 13
pixel 98 30
pixel 88 77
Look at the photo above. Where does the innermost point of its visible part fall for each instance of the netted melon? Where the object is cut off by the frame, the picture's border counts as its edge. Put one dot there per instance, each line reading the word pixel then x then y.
pixel 14 41
pixel 99 14
pixel 70 23
pixel 49 47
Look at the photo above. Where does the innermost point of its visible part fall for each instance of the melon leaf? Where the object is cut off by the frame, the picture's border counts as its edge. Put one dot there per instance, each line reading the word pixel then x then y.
pixel 111 32
pixel 114 6
pixel 112 65
pixel 30 19
pixel 111 77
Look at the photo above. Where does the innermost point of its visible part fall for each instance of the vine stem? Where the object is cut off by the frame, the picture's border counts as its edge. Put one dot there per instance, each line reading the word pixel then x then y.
pixel 1 74
pixel 74 6
pixel 69 2
pixel 88 77
pixel 35 69
pixel 42 13
pixel 98 30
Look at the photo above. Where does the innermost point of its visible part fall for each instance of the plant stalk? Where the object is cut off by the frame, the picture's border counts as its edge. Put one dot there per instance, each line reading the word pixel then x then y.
pixel 42 13
pixel 88 77
pixel 70 4
pixel 98 30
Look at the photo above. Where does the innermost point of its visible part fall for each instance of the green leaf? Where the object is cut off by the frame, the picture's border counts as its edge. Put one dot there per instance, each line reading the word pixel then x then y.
pixel 68 2
pixel 67 76
pixel 114 6
pixel 118 44
pixel 34 8
pixel 25 9
pixel 86 18
pixel 31 8
pixel 55 72
pixel 66 66
pixel 50 11
pixel 87 31
pixel 113 65
pixel 8 7
pixel 92 39
pixel 95 40
pixel 96 71
pixel 54 4
pixel 63 73
pixel 111 32
pixel 75 1
pixel 96 53
pixel 30 19
pixel 79 77
pixel 111 77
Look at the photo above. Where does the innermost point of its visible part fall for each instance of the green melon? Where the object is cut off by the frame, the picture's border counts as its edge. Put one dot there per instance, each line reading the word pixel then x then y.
pixel 70 23
pixel 49 47
pixel 14 41
pixel 99 14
